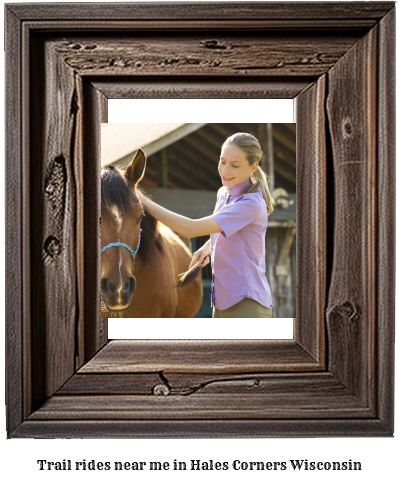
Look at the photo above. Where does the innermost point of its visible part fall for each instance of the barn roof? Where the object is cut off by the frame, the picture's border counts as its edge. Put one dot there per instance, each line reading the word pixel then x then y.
pixel 119 141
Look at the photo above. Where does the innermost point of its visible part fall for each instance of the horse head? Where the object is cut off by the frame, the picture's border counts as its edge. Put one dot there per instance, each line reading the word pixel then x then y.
pixel 121 215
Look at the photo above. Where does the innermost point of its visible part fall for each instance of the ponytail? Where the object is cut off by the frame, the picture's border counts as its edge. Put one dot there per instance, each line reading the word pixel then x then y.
pixel 259 180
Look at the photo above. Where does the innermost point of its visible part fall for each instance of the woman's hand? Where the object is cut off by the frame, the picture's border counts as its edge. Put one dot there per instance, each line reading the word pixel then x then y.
pixel 202 255
pixel 141 197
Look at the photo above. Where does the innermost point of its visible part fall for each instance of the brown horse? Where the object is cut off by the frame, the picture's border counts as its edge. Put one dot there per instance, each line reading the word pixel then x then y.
pixel 141 258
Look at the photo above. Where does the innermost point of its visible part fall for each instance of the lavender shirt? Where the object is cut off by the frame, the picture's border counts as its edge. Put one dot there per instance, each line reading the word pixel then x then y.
pixel 238 252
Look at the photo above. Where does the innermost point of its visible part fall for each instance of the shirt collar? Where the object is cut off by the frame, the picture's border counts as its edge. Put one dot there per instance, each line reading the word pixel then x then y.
pixel 236 190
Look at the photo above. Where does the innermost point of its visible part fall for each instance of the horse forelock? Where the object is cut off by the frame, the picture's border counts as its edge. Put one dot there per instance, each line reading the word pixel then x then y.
pixel 118 199
pixel 116 196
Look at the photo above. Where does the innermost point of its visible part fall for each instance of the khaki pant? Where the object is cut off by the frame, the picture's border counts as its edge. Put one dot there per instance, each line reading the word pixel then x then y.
pixel 246 308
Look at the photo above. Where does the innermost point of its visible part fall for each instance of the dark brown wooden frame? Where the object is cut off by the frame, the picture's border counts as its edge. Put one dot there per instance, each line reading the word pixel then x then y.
pixel 336 376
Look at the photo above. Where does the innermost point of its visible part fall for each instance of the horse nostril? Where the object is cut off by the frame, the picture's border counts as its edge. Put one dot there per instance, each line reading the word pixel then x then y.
pixel 104 286
pixel 132 285
pixel 128 287
pixel 107 287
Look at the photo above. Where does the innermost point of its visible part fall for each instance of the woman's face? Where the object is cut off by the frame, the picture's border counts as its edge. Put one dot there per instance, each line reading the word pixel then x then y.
pixel 234 167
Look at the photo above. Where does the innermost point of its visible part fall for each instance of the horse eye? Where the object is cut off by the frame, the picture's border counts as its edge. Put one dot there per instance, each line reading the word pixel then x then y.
pixel 139 220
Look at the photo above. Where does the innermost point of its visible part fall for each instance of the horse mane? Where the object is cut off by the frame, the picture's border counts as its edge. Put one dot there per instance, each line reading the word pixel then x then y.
pixel 115 191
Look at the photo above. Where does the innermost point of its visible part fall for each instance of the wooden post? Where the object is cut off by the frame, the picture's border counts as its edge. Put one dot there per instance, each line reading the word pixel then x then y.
pixel 282 270
pixel 269 160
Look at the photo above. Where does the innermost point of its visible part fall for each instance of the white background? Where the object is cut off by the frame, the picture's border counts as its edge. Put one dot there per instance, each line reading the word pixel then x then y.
pixel 379 456
pixel 200 111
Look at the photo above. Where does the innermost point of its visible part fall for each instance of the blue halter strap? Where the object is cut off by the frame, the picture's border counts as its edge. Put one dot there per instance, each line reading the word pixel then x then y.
pixel 121 244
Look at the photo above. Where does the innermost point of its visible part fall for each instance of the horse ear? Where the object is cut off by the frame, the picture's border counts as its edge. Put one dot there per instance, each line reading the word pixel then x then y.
pixel 135 170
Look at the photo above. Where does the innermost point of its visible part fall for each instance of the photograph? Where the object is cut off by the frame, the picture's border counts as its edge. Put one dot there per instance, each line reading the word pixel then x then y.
pixel 199 218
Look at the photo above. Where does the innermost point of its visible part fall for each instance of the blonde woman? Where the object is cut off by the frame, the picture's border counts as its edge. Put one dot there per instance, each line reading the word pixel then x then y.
pixel 237 229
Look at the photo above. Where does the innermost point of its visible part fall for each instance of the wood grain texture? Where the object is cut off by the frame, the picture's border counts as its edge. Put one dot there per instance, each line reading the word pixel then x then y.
pixel 53 197
pixel 351 112
pixel 16 251
pixel 113 384
pixel 265 397
pixel 243 55
pixel 249 428
pixel 95 329
pixel 200 356
pixel 385 244
pixel 208 11
pixel 138 87
pixel 311 218
pixel 185 383
pixel 203 407
pixel 319 384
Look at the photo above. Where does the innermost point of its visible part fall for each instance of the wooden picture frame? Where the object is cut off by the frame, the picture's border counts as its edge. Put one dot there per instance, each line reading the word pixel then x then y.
pixel 335 378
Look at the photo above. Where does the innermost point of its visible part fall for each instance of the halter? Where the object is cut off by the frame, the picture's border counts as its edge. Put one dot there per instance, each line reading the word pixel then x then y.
pixel 132 253
pixel 121 244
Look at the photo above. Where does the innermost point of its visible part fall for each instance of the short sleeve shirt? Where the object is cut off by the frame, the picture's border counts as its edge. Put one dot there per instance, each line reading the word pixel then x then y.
pixel 238 251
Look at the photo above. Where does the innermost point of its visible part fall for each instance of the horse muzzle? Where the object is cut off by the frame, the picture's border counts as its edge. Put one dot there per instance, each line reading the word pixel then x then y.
pixel 117 297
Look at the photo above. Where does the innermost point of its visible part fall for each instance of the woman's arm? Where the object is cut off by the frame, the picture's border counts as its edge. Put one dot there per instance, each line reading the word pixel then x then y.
pixel 185 226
